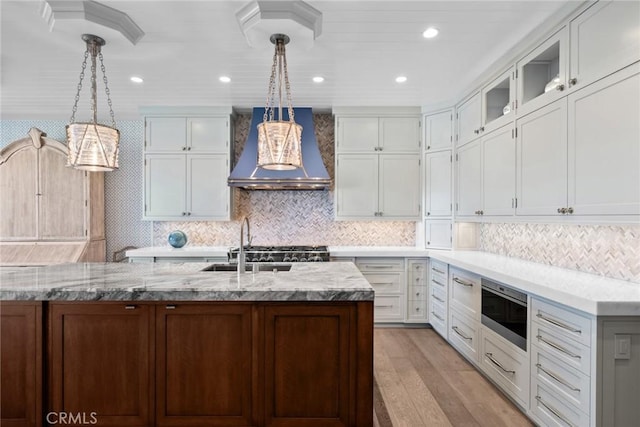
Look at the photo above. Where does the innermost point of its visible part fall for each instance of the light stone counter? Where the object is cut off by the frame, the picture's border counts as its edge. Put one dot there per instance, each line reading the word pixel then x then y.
pixel 185 252
pixel 184 282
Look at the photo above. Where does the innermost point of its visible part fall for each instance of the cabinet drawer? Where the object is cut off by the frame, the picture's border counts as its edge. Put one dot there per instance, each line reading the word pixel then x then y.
pixel 439 295
pixel 438 271
pixel 464 293
pixel 562 321
pixel 385 282
pixel 568 383
pixel 506 364
pixel 380 264
pixel 463 334
pixel 417 293
pixel 552 411
pixel 566 350
pixel 417 310
pixel 438 318
pixel 388 308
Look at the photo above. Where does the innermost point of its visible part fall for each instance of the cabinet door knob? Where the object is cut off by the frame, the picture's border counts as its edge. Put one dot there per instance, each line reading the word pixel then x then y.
pixel 482 129
pixel 573 81
pixel 188 148
pixel 428 243
pixel 562 211
pixel 570 210
pixel 476 131
pixel 428 147
pixel 184 213
pixel 188 213
pixel 184 148
pixel 428 213
pixel 560 87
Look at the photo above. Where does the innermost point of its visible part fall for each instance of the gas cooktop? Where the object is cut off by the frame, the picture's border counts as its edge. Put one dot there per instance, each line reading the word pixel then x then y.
pixel 282 254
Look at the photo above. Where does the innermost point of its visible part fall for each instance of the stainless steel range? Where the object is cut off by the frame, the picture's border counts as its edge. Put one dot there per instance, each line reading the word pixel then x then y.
pixel 282 254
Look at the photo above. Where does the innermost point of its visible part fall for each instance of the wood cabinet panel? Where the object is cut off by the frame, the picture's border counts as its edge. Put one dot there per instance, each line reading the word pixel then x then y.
pixel 21 364
pixel 204 371
pixel 101 358
pixel 309 381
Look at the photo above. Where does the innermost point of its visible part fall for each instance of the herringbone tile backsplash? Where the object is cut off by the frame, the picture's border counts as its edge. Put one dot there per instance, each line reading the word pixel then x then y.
pixel 611 251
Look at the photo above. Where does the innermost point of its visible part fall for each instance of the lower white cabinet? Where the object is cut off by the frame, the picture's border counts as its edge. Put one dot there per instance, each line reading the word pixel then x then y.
pixel 417 292
pixel 464 293
pixel 387 277
pixel 505 364
pixel 438 290
pixel 464 334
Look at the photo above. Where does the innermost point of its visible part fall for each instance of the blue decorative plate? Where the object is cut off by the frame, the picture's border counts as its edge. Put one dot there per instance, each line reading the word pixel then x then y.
pixel 177 239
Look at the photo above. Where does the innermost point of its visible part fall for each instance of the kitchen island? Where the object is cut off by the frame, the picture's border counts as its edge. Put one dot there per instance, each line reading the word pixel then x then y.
pixel 172 345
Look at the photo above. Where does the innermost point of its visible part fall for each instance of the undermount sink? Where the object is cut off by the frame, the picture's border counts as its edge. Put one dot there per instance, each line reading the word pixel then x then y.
pixel 248 267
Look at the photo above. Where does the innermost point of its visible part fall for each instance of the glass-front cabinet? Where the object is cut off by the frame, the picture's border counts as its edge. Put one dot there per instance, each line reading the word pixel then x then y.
pixel 498 101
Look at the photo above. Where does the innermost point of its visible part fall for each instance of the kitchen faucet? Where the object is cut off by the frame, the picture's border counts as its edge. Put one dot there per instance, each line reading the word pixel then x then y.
pixel 241 254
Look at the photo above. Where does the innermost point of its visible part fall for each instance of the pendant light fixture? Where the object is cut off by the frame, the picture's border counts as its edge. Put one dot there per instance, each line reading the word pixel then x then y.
pixel 279 140
pixel 92 146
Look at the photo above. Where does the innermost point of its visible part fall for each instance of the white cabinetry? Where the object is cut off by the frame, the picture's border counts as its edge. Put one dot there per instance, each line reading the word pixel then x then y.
pixel 560 365
pixel 469 179
pixel 542 160
pixel 468 119
pixel 438 184
pixel 604 145
pixel 464 312
pixel 438 130
pixel 438 233
pixel 438 291
pixel 377 165
pixel 498 101
pixel 538 69
pixel 387 277
pixel 604 38
pixel 186 164
pixel 417 292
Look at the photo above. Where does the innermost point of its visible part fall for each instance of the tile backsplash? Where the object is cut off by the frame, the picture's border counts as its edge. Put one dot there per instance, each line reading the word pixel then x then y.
pixel 606 250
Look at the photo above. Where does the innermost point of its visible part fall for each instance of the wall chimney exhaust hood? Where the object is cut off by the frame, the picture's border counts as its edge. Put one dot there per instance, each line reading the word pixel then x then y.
pixel 312 176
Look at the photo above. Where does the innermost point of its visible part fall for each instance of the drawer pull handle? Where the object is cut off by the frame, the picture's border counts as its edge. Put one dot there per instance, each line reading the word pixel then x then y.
pixel 462 282
pixel 129 307
pixel 558 323
pixel 170 307
pixel 437 317
pixel 378 266
pixel 558 378
pixel 383 306
pixel 498 364
pixel 555 412
pixel 457 331
pixel 558 347
pixel 436 298
pixel 437 283
pixel 437 270
pixel 383 283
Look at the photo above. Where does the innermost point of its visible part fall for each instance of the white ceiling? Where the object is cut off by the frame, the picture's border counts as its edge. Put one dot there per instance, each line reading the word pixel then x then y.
pixel 187 45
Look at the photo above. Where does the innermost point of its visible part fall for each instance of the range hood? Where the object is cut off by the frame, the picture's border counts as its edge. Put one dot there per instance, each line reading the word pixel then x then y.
pixel 313 175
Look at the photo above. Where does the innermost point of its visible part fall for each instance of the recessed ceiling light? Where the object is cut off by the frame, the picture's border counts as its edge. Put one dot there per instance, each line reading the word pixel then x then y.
pixel 136 79
pixel 225 79
pixel 318 79
pixel 401 79
pixel 430 33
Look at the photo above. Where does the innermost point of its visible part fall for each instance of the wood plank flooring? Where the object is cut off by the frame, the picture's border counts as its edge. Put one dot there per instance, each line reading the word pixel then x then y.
pixel 425 382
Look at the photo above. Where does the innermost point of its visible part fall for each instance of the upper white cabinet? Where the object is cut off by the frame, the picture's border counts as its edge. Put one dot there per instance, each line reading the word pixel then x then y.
pixel 498 101
pixel 438 130
pixel 468 120
pixel 542 74
pixel 604 38
pixel 604 146
pixel 378 165
pixel 499 172
pixel 196 134
pixel 378 134
pixel 438 184
pixel 542 160
pixel 186 164
pixel 377 186
pixel 469 179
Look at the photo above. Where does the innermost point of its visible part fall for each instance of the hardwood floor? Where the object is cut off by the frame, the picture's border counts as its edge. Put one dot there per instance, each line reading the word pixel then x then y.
pixel 425 382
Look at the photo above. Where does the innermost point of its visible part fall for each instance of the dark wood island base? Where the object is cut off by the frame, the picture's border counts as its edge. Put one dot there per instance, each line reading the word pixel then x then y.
pixel 187 363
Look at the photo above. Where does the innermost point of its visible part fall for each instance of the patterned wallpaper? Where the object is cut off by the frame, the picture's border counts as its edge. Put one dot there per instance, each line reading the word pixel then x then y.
pixel 611 251
pixel 290 217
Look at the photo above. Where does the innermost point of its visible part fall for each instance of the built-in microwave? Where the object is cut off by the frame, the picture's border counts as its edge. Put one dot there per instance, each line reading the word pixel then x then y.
pixel 504 311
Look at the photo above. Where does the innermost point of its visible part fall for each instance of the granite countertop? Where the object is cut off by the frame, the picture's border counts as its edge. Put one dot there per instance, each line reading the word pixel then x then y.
pixel 187 251
pixel 184 282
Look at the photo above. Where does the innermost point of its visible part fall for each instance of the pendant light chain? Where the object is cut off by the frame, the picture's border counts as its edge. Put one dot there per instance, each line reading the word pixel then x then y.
pixel 287 85
pixel 75 104
pixel 106 90
pixel 271 93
